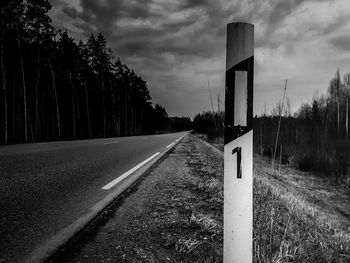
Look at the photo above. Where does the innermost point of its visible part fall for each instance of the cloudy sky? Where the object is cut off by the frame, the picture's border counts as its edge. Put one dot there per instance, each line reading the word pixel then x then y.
pixel 177 46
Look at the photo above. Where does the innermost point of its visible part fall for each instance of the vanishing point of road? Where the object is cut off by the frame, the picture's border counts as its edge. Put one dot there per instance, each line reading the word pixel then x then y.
pixel 45 187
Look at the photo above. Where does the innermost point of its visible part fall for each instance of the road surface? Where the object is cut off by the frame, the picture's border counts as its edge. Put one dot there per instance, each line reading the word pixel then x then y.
pixel 44 187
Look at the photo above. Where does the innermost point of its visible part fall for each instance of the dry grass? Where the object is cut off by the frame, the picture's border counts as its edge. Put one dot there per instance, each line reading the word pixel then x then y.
pixel 206 223
pixel 201 235
pixel 317 196
pixel 298 216
pixel 288 227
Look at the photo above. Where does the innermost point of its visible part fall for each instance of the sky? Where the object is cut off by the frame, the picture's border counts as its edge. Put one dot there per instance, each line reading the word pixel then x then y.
pixel 178 46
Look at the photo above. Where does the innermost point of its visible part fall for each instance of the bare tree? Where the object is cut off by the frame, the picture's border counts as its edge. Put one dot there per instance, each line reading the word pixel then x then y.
pixel 24 87
pixel 55 98
pixel 347 91
pixel 279 121
pixel 218 96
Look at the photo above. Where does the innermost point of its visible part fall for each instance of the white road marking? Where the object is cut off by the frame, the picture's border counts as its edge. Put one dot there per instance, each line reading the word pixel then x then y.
pixel 180 138
pixel 110 142
pixel 171 144
pixel 123 176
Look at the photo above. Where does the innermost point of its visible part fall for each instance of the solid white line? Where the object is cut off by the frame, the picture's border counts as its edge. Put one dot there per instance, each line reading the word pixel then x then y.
pixel 110 142
pixel 123 176
pixel 180 138
pixel 171 144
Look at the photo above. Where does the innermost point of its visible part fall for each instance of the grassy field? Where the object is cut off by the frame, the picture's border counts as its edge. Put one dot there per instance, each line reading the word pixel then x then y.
pixel 298 217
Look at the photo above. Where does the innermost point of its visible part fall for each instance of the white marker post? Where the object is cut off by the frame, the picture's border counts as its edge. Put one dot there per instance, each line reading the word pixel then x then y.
pixel 238 171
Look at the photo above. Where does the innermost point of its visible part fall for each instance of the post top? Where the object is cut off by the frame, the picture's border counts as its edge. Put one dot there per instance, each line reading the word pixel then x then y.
pixel 240 43
pixel 240 22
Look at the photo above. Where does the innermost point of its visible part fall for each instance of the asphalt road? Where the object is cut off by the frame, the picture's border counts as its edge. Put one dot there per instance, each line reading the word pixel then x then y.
pixel 44 187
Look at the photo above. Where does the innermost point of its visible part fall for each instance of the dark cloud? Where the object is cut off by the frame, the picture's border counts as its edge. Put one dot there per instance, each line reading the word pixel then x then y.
pixel 281 10
pixel 167 41
pixel 336 24
pixel 87 29
pixel 103 14
pixel 56 3
pixel 341 42
pixel 70 11
pixel 194 3
pixel 204 39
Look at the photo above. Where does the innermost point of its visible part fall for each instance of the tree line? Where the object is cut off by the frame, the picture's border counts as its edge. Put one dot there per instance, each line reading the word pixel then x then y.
pixel 316 136
pixel 210 123
pixel 53 88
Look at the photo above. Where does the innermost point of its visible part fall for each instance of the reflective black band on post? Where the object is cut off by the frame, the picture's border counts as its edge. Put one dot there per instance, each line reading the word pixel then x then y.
pixel 239 80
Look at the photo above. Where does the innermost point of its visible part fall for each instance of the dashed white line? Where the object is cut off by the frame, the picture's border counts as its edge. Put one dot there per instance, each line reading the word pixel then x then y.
pixel 171 144
pixel 110 142
pixel 124 175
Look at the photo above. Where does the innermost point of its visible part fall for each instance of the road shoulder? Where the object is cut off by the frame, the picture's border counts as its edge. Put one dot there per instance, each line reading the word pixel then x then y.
pixel 174 214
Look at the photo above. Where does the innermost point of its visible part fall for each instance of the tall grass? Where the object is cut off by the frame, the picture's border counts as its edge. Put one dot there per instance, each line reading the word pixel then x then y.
pixel 284 232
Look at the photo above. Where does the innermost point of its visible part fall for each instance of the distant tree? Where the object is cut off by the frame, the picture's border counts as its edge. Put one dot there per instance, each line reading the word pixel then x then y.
pixel 315 137
pixel 334 91
pixel 160 117
pixel 180 123
pixel 39 30
pixel 68 55
pixel 346 82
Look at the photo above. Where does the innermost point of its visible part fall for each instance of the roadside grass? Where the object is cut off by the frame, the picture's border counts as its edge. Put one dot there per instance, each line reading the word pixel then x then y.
pixel 196 229
pixel 318 196
pixel 284 232
pixel 287 225
pixel 298 216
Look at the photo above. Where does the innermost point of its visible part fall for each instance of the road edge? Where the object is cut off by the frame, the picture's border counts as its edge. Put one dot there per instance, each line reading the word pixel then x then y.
pixel 53 244
pixel 218 151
